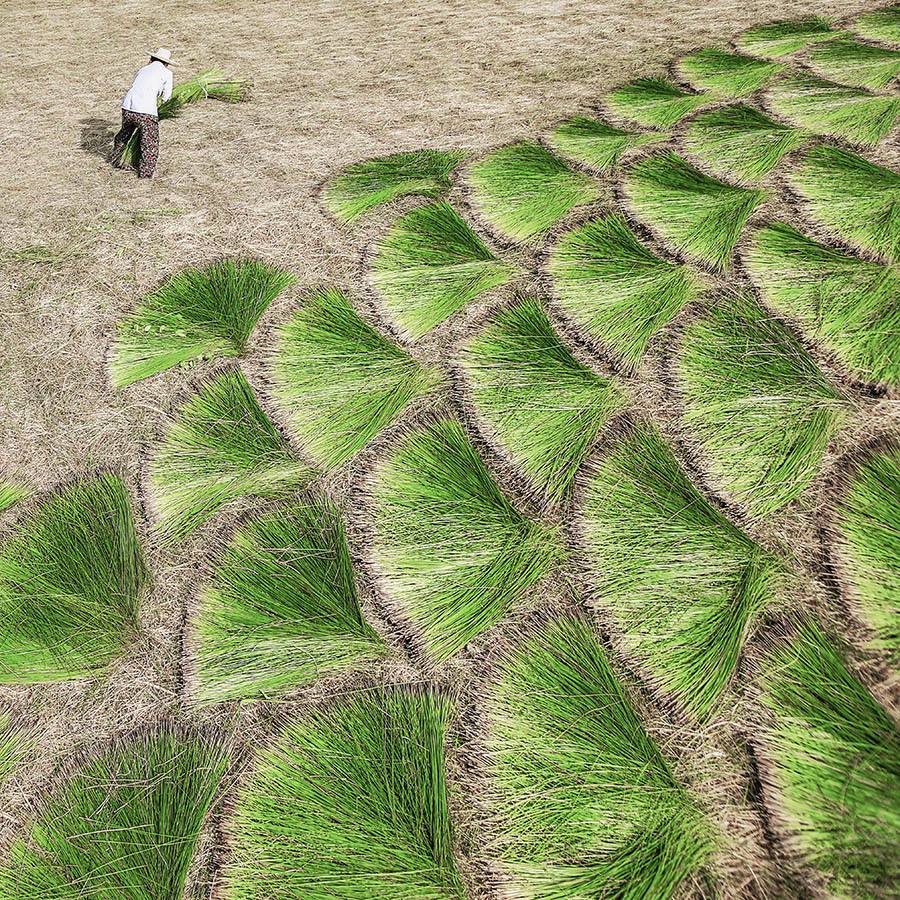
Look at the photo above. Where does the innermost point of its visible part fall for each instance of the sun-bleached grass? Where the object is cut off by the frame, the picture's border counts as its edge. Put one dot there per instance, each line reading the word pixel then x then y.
pixel 15 741
pixel 653 102
pixel 857 64
pixel 597 144
pixel 11 493
pixel 880 24
pixel 727 74
pixel 781 38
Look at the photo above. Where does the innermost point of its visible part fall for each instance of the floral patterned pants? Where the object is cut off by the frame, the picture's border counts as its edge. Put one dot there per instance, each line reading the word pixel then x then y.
pixel 148 128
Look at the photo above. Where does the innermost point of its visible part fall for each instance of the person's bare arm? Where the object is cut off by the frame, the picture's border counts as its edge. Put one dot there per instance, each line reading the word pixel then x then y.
pixel 167 87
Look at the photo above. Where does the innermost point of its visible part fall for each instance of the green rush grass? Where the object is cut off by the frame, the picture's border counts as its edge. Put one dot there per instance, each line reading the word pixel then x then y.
pixel 653 102
pixel 857 64
pixel 196 314
pixel 867 525
pixel 542 406
pixel 523 189
pixel 364 185
pixel 452 551
pixel 701 216
pixel 833 109
pixel 727 74
pixel 339 380
pixel 70 577
pixel 740 141
pixel 615 289
pixel 11 493
pixel 756 403
pixel 429 265
pixel 833 765
pixel 586 805
pixel 854 198
pixel 782 38
pixel 124 825
pixel 221 447
pixel 350 803
pixel 597 144
pixel 281 607
pixel 880 25
pixel 847 303
pixel 683 584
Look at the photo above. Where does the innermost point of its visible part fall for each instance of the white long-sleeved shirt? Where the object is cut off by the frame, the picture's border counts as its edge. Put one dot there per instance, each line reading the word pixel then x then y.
pixel 152 81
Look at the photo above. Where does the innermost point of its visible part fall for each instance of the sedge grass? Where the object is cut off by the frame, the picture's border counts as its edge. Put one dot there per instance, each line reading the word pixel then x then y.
pixel 727 74
pixel 586 804
pixel 365 185
pixel 597 144
pixel 615 289
pixel 452 551
pixel 340 381
pixel 522 190
pixel 880 24
pixel 781 38
pixel 196 314
pixel 833 759
pixel 653 102
pixel 543 407
pixel 11 493
pixel 351 803
pixel 857 64
pixel 70 578
pixel 124 825
pixel 756 403
pixel 740 141
pixel 221 447
pixel 847 303
pixel 683 584
pixel 429 265
pixel 281 607
pixel 701 216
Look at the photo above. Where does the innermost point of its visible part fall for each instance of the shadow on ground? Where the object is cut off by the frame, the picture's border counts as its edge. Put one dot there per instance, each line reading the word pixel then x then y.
pixel 97 137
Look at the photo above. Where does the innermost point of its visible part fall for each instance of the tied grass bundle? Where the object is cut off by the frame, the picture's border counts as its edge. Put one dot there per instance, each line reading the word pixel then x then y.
pixel 221 447
pixel 597 144
pixel 683 584
pixel 834 109
pixel 543 407
pixel 727 74
pixel 124 825
pixel 847 303
pixel 586 805
pixel 880 25
pixel 782 38
pixel 351 803
pixel 701 216
pixel 833 759
pixel 451 549
pixel 340 381
pixel 11 493
pixel 858 200
pixel 653 102
pixel 867 525
pixel 281 608
pixel 523 189
pixel 365 185
pixel 70 577
pixel 430 265
pixel 615 289
pixel 854 63
pixel 757 404
pixel 740 141
pixel 196 314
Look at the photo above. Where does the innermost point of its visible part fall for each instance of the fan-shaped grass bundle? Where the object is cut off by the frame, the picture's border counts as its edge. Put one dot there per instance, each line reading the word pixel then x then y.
pixel 727 74
pixel 11 493
pixel 854 63
pixel 523 189
pixel 653 102
pixel 542 406
pixel 341 381
pixel 699 215
pixel 833 765
pixel 586 805
pixel 853 197
pixel 364 185
pixel 281 608
pixel 221 447
pixel 867 525
pixel 124 825
pixel 615 289
pixel 597 144
pixel 880 25
pixel 683 584
pixel 847 303
pixel 350 804
pixel 197 313
pixel 782 38
pixel 430 264
pixel 756 403
pixel 70 577
pixel 451 549
pixel 740 141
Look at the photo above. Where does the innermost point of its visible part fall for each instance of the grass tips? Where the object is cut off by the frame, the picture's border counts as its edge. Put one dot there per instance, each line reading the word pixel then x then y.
pixel 781 38
pixel 11 493
pixel 857 64
pixel 597 144
pixel 653 102
pixel 727 74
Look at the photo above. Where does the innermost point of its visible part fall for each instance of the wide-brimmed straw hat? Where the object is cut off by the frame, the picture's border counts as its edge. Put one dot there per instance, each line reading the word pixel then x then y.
pixel 163 55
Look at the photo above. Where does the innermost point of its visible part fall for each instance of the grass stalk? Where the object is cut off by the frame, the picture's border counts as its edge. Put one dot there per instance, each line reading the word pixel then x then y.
pixel 11 493
pixel 782 38
pixel 857 64
pixel 727 74
pixel 597 144
pixel 653 102
pixel 880 24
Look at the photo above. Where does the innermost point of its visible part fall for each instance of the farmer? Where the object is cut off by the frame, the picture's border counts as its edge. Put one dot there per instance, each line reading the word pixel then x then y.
pixel 139 110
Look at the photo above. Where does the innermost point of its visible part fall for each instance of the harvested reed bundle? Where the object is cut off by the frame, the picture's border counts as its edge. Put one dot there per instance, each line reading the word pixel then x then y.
pixel 782 38
pixel 11 493
pixel 597 144
pixel 727 74
pixel 653 102
pixel 880 25
pixel 854 63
